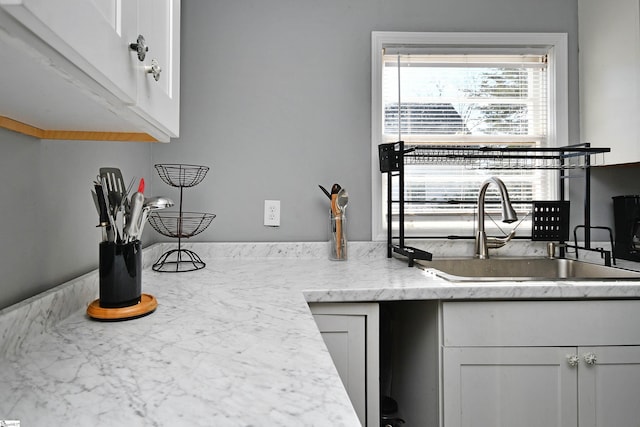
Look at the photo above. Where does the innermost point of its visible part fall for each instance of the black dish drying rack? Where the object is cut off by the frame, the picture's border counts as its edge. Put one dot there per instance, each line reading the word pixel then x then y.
pixel 181 224
pixel 548 215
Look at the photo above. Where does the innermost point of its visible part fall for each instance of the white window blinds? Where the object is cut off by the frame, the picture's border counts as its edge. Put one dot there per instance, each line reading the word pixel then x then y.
pixel 474 98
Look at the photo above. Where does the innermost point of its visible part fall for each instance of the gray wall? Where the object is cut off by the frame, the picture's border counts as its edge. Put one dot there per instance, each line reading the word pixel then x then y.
pixel 47 213
pixel 275 99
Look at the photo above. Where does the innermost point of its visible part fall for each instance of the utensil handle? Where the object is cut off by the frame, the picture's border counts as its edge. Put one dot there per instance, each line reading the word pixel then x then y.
pixel 335 211
pixel 102 206
pixel 324 190
pixel 334 205
pixel 131 229
pixel 338 236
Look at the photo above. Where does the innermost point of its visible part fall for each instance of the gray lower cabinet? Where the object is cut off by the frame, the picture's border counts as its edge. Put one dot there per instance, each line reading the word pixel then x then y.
pixel 609 388
pixel 541 363
pixel 490 363
pixel 350 332
pixel 509 386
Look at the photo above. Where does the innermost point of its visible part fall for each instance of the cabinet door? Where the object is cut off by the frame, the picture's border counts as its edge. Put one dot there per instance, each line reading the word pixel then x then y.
pixel 350 332
pixel 609 388
pixel 345 339
pixel 93 34
pixel 159 101
pixel 609 54
pixel 509 387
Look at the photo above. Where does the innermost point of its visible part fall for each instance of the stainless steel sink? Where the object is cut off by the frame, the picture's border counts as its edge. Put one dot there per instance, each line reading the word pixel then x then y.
pixel 523 269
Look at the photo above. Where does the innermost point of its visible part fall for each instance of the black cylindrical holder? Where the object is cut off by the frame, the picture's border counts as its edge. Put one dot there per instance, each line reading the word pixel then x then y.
pixel 120 274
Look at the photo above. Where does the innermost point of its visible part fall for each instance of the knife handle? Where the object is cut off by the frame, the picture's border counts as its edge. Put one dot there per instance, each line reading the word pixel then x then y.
pixel 102 206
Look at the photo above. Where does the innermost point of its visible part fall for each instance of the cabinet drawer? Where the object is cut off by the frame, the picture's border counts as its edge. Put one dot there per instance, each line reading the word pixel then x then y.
pixel 541 323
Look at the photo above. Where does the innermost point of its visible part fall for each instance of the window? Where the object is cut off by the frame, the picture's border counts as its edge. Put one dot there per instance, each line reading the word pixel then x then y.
pixel 465 89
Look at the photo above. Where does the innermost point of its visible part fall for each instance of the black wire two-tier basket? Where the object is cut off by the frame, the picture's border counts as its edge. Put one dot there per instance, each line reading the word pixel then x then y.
pixel 181 224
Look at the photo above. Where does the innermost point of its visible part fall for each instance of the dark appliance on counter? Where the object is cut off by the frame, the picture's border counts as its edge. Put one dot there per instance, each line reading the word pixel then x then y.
pixel 626 213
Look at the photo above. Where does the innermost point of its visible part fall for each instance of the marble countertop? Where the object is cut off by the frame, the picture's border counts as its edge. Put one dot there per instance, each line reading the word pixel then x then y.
pixel 233 344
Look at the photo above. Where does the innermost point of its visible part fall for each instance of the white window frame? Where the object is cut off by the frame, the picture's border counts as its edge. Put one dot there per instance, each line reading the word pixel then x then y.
pixel 558 121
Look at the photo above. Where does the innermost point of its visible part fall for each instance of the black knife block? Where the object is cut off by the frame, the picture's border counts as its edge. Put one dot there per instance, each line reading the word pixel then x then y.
pixel 120 274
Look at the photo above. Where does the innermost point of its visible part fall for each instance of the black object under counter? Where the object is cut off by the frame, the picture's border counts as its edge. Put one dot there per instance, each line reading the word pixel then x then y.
pixel 120 274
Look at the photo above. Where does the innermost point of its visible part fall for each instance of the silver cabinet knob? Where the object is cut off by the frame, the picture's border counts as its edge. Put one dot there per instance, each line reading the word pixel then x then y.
pixel 140 47
pixel 573 360
pixel 154 69
pixel 590 358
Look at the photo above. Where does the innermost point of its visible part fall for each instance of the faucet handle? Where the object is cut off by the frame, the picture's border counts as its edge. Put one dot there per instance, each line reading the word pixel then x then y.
pixel 551 250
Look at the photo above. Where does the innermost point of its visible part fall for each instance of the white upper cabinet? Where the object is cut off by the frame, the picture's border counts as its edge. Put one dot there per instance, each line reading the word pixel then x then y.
pixel 91 34
pixel 74 75
pixel 160 100
pixel 609 52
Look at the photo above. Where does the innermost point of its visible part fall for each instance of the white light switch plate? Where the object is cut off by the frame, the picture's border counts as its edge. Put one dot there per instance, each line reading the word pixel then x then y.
pixel 272 213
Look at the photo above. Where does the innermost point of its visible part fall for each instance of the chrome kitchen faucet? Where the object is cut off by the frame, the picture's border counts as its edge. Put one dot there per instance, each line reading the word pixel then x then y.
pixel 508 216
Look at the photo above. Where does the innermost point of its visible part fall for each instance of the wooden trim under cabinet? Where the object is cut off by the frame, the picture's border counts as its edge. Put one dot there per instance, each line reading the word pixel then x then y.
pixel 16 126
